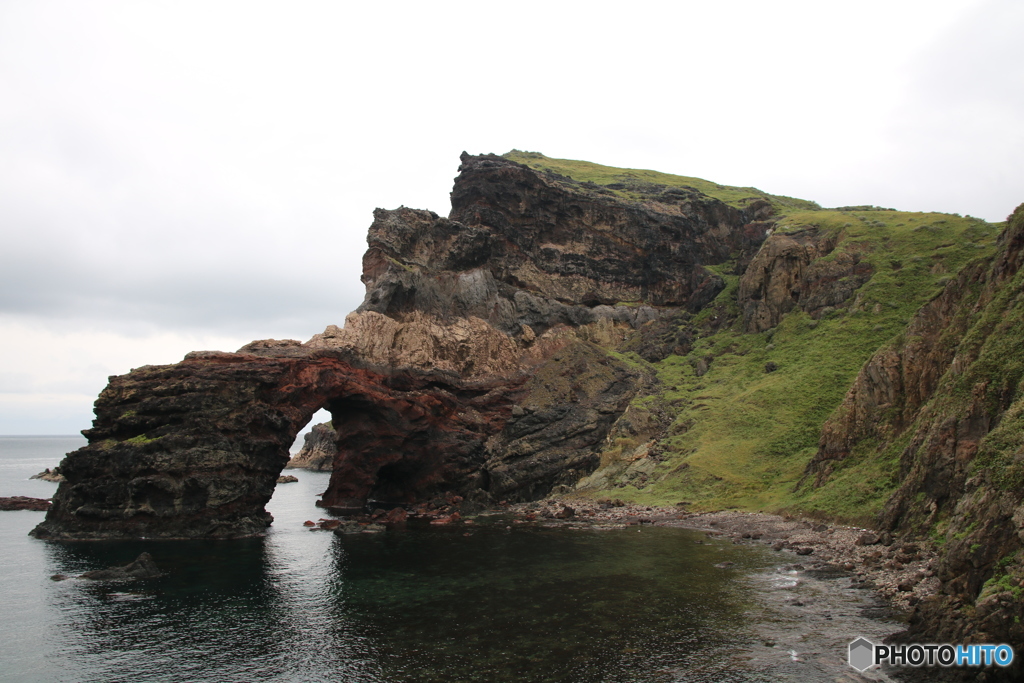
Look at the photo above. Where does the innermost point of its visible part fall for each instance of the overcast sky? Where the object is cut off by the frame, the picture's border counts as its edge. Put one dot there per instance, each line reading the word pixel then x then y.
pixel 192 175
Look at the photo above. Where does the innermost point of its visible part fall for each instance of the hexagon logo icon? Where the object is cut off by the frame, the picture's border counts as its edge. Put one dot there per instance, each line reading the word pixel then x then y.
pixel 862 654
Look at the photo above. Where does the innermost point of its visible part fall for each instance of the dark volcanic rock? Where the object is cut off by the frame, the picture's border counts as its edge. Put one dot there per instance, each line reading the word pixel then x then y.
pixel 526 249
pixel 24 503
pixel 195 449
pixel 583 247
pixel 477 365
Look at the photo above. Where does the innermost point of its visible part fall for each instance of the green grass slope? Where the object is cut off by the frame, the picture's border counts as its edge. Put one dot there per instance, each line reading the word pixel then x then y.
pixel 740 437
pixel 634 184
pixel 743 436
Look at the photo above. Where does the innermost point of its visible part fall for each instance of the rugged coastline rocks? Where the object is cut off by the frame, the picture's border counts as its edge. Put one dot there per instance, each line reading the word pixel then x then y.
pixel 319 448
pixel 944 401
pixel 194 449
pixel 143 567
pixel 480 364
pixel 486 363
pixel 24 503
pixel 53 475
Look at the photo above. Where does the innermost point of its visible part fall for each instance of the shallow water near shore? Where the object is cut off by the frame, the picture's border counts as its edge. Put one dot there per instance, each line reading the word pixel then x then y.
pixel 459 603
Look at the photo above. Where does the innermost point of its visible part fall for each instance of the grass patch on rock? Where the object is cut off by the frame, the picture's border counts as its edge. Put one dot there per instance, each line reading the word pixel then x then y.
pixel 640 184
pixel 742 433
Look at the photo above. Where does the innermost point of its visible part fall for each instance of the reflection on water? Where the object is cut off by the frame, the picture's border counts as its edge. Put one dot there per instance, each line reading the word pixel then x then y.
pixel 423 605
pixel 484 603
pixel 224 611
pixel 543 605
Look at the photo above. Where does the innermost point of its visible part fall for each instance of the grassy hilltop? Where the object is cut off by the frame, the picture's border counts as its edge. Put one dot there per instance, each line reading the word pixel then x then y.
pixel 737 436
pixel 628 183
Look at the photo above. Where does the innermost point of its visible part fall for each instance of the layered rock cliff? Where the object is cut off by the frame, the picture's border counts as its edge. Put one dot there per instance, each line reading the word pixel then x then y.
pixel 945 401
pixel 479 363
pixel 553 333
pixel 194 449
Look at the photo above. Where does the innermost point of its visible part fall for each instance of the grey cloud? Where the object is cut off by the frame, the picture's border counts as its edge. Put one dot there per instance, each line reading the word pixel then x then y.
pixel 226 300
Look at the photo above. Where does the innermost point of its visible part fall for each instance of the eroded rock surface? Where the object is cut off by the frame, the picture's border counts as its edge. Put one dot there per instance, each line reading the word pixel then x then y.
pixel 319 448
pixel 479 363
pixel 195 449
pixel 790 271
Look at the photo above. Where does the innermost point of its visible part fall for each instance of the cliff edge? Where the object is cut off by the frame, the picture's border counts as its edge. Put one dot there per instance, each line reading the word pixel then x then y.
pixel 481 363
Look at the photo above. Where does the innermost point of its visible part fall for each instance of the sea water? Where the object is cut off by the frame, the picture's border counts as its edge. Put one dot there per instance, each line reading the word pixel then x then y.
pixel 492 602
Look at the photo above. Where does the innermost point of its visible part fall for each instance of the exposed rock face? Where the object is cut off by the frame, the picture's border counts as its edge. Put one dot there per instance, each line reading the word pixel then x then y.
pixel 319 448
pixel 891 388
pixel 477 365
pixel 789 272
pixel 947 399
pixel 597 249
pixel 195 449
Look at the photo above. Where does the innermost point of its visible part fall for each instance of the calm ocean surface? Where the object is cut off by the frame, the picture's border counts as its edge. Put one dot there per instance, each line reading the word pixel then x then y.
pixel 441 604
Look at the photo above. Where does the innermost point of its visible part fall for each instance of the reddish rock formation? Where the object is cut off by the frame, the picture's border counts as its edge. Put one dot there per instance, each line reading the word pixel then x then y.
pixel 195 449
pixel 474 366
pixel 24 503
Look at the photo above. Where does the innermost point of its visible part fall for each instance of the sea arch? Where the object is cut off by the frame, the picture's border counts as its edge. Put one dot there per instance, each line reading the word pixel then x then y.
pixel 194 449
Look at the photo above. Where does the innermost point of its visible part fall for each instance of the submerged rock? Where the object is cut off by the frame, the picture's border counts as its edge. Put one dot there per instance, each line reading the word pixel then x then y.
pixel 142 568
pixel 395 516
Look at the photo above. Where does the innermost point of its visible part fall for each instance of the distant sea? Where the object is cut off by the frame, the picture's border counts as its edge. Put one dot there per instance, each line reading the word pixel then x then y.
pixel 495 602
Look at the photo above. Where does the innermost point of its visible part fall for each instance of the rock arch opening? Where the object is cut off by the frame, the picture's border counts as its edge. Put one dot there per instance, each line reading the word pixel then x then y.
pixel 321 416
pixel 194 450
pixel 464 318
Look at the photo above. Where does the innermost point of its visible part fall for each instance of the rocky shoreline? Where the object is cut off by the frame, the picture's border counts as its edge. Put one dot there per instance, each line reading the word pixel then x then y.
pixel 833 582
pixel 24 503
pixel 901 572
